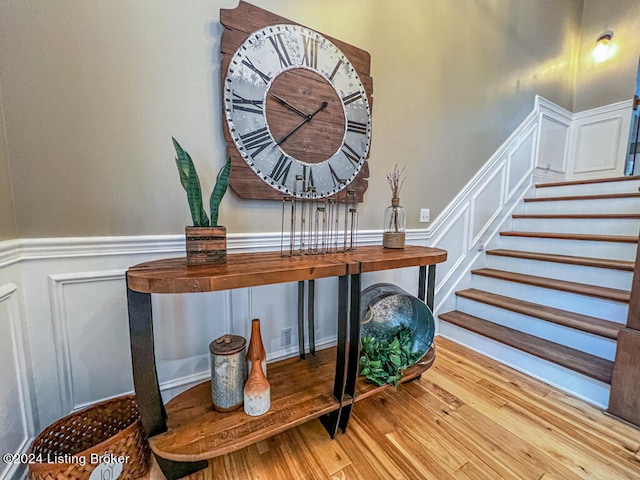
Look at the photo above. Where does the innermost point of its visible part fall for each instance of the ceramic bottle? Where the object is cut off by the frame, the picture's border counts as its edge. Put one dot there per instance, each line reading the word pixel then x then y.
pixel 257 391
pixel 256 350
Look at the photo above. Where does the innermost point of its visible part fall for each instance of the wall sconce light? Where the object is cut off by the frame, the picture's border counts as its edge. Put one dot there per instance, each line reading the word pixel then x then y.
pixel 603 49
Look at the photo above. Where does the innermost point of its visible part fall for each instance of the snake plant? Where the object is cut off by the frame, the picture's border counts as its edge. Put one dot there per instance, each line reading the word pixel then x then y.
pixel 191 184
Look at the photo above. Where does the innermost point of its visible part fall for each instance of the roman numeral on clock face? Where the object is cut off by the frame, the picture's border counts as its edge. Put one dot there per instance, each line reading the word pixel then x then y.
pixel 351 154
pixel 281 50
pixel 335 70
pixel 281 170
pixel 257 141
pixel 310 57
pixel 307 173
pixel 265 78
pixel 246 105
pixel 334 175
pixel 356 127
pixel 352 97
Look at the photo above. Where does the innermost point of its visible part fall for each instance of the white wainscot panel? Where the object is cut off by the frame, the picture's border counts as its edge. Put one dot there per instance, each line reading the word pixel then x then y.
pixel 552 144
pixel 91 335
pixel 486 203
pixel 277 308
pixel 597 145
pixel 454 239
pixel 16 412
pixel 184 325
pixel 520 163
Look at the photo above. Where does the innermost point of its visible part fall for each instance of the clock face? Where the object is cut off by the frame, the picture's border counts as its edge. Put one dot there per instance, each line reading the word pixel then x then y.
pixel 297 111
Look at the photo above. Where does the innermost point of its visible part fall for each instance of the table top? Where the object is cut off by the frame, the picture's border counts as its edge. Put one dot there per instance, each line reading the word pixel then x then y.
pixel 264 268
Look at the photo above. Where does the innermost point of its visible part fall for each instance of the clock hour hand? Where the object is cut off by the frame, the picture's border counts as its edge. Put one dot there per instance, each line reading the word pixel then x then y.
pixel 288 105
pixel 307 119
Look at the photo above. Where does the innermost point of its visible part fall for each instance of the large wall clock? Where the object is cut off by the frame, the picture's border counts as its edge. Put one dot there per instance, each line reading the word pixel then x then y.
pixel 297 110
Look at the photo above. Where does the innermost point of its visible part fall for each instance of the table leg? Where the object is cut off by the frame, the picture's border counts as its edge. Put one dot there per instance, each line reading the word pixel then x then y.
pixel 330 421
pixel 301 318
pixel 145 380
pixel 145 377
pixel 175 470
pixel 427 285
pixel 431 286
pixel 422 282
pixel 311 316
pixel 354 350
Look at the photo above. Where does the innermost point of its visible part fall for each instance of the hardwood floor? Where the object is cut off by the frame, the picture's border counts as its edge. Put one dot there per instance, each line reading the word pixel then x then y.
pixel 468 417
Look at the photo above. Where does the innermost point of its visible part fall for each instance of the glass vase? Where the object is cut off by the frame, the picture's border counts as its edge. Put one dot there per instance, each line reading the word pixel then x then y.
pixel 395 224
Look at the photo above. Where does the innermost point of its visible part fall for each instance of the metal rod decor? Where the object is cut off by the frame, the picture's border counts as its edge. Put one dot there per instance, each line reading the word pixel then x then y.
pixel 318 225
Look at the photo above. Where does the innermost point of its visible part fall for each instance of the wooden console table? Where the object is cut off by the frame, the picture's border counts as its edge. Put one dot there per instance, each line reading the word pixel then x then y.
pixel 187 431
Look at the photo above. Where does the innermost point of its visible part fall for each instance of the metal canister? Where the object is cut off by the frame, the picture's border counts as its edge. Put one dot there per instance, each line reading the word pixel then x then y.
pixel 228 372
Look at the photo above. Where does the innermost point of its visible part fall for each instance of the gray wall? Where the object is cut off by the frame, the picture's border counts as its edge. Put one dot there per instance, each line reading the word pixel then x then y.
pixel 7 217
pixel 614 80
pixel 94 90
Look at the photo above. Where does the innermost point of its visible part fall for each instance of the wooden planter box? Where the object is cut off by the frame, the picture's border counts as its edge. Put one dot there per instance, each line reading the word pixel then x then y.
pixel 206 245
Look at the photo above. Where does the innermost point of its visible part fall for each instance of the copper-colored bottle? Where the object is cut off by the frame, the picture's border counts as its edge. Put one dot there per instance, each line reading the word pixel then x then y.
pixel 257 391
pixel 256 350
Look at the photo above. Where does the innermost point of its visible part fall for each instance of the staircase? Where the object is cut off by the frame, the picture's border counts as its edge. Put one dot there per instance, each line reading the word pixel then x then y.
pixel 558 286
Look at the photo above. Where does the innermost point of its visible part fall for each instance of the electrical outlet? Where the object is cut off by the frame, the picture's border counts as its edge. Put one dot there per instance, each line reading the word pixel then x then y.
pixel 424 215
pixel 285 337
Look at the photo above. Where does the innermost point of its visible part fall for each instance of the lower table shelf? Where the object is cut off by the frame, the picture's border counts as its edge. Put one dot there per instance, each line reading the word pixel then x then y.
pixel 300 391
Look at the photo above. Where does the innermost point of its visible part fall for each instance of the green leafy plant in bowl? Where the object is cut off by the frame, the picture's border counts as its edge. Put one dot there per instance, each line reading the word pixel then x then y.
pixel 383 362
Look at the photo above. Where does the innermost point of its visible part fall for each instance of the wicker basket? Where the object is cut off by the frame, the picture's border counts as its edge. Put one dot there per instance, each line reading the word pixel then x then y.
pixel 74 446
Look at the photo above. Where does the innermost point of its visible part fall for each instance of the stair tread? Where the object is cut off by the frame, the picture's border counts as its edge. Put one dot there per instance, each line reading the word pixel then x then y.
pixel 586 323
pixel 587 181
pixel 599 196
pixel 567 259
pixel 613 216
pixel 581 362
pixel 606 293
pixel 573 236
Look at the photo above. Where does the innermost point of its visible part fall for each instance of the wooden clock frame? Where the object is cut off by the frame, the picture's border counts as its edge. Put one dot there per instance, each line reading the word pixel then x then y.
pixel 239 24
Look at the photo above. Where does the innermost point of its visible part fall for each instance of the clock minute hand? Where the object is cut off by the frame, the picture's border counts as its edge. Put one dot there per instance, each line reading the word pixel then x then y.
pixel 307 119
pixel 289 106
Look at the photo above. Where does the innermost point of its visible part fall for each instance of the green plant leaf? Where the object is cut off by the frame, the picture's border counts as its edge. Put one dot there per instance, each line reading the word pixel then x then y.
pixel 182 163
pixel 191 183
pixel 383 362
pixel 194 196
pixel 222 182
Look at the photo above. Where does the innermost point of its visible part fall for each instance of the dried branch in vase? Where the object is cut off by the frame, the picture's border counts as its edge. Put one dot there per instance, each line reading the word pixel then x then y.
pixel 396 181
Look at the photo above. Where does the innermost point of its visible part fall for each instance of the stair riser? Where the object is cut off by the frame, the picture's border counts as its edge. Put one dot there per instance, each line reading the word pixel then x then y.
pixel 576 384
pixel 628 186
pixel 592 306
pixel 607 205
pixel 584 248
pixel 584 341
pixel 603 277
pixel 596 226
